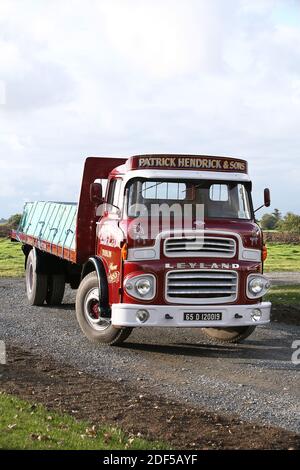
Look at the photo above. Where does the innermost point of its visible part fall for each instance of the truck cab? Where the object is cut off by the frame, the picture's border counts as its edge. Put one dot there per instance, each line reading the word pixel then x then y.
pixel 180 247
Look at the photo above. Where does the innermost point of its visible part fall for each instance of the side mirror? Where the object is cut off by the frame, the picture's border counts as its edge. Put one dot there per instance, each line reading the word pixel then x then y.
pixel 96 193
pixel 267 197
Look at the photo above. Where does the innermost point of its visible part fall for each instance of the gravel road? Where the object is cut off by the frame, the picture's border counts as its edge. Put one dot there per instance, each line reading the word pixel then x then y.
pixel 284 278
pixel 255 380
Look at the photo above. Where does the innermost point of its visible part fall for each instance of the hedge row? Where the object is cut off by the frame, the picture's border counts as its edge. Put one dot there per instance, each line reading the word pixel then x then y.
pixel 282 237
pixel 5 230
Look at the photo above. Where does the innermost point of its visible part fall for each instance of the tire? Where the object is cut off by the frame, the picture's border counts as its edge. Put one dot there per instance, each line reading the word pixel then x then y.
pixel 36 283
pixel 229 335
pixel 56 289
pixel 96 330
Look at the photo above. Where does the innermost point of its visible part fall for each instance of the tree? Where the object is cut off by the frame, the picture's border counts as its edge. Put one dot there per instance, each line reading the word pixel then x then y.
pixel 277 215
pixel 290 223
pixel 268 222
pixel 14 220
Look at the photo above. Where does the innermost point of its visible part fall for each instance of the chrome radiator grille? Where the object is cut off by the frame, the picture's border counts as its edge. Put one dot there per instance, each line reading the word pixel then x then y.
pixel 203 246
pixel 201 287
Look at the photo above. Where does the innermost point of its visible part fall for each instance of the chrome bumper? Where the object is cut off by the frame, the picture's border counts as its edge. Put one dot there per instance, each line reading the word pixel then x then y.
pixel 173 315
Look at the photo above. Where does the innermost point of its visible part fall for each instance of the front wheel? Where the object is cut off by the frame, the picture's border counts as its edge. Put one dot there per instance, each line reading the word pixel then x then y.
pixel 97 329
pixel 229 335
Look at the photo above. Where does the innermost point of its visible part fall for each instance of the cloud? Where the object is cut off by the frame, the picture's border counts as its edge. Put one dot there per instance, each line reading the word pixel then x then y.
pixel 126 77
pixel 2 92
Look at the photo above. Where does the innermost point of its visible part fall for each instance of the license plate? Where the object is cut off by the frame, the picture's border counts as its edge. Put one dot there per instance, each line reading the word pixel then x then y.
pixel 203 316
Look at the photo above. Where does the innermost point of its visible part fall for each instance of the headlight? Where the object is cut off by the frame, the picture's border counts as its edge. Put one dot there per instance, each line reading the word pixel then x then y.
pixel 142 286
pixel 257 286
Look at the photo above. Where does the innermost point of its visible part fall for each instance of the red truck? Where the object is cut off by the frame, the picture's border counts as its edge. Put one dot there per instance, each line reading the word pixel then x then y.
pixel 173 242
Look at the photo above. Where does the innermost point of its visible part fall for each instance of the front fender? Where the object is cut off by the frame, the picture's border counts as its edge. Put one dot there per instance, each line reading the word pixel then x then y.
pixel 95 263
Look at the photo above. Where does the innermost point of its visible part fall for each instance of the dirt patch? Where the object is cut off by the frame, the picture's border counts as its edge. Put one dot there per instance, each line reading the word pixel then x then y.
pixel 102 401
pixel 288 314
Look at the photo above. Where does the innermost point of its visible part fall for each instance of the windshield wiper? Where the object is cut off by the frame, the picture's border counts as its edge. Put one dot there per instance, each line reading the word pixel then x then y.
pixel 153 186
pixel 194 186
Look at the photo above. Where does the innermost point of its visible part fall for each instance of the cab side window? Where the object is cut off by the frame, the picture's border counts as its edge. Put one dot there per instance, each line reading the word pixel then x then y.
pixel 114 189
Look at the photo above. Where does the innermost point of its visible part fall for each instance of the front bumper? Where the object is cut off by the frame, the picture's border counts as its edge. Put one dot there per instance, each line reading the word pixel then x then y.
pixel 232 315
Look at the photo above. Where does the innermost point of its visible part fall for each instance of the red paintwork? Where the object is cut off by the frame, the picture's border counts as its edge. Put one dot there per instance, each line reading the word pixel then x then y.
pixel 94 309
pixel 157 267
pixel 106 242
pixel 108 246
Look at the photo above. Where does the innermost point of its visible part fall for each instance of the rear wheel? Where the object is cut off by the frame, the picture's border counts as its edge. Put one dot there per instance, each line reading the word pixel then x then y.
pixel 229 335
pixel 97 329
pixel 36 283
pixel 56 289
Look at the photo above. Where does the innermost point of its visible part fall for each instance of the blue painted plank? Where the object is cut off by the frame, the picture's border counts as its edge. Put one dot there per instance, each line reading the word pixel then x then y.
pixel 53 222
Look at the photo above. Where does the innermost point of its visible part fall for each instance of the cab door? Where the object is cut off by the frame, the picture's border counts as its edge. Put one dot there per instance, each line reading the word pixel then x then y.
pixel 110 238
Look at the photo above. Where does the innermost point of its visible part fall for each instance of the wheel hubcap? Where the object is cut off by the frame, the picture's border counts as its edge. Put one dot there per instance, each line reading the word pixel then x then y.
pixel 92 313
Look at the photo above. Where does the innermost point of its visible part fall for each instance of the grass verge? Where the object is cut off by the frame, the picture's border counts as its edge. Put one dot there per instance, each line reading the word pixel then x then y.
pixel 285 304
pixel 287 295
pixel 11 259
pixel 283 257
pixel 29 426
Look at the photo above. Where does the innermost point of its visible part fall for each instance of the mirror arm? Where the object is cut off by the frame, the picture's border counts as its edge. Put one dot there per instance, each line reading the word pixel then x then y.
pixel 260 207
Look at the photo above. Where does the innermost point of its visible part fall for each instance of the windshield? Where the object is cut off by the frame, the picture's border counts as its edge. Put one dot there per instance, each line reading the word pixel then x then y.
pixel 220 199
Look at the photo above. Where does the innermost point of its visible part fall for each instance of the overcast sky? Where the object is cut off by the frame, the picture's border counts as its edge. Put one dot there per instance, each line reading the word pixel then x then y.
pixel 123 77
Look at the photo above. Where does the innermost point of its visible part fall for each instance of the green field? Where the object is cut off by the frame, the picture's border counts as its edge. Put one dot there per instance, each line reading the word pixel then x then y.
pixel 287 295
pixel 25 425
pixel 11 258
pixel 285 304
pixel 281 257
